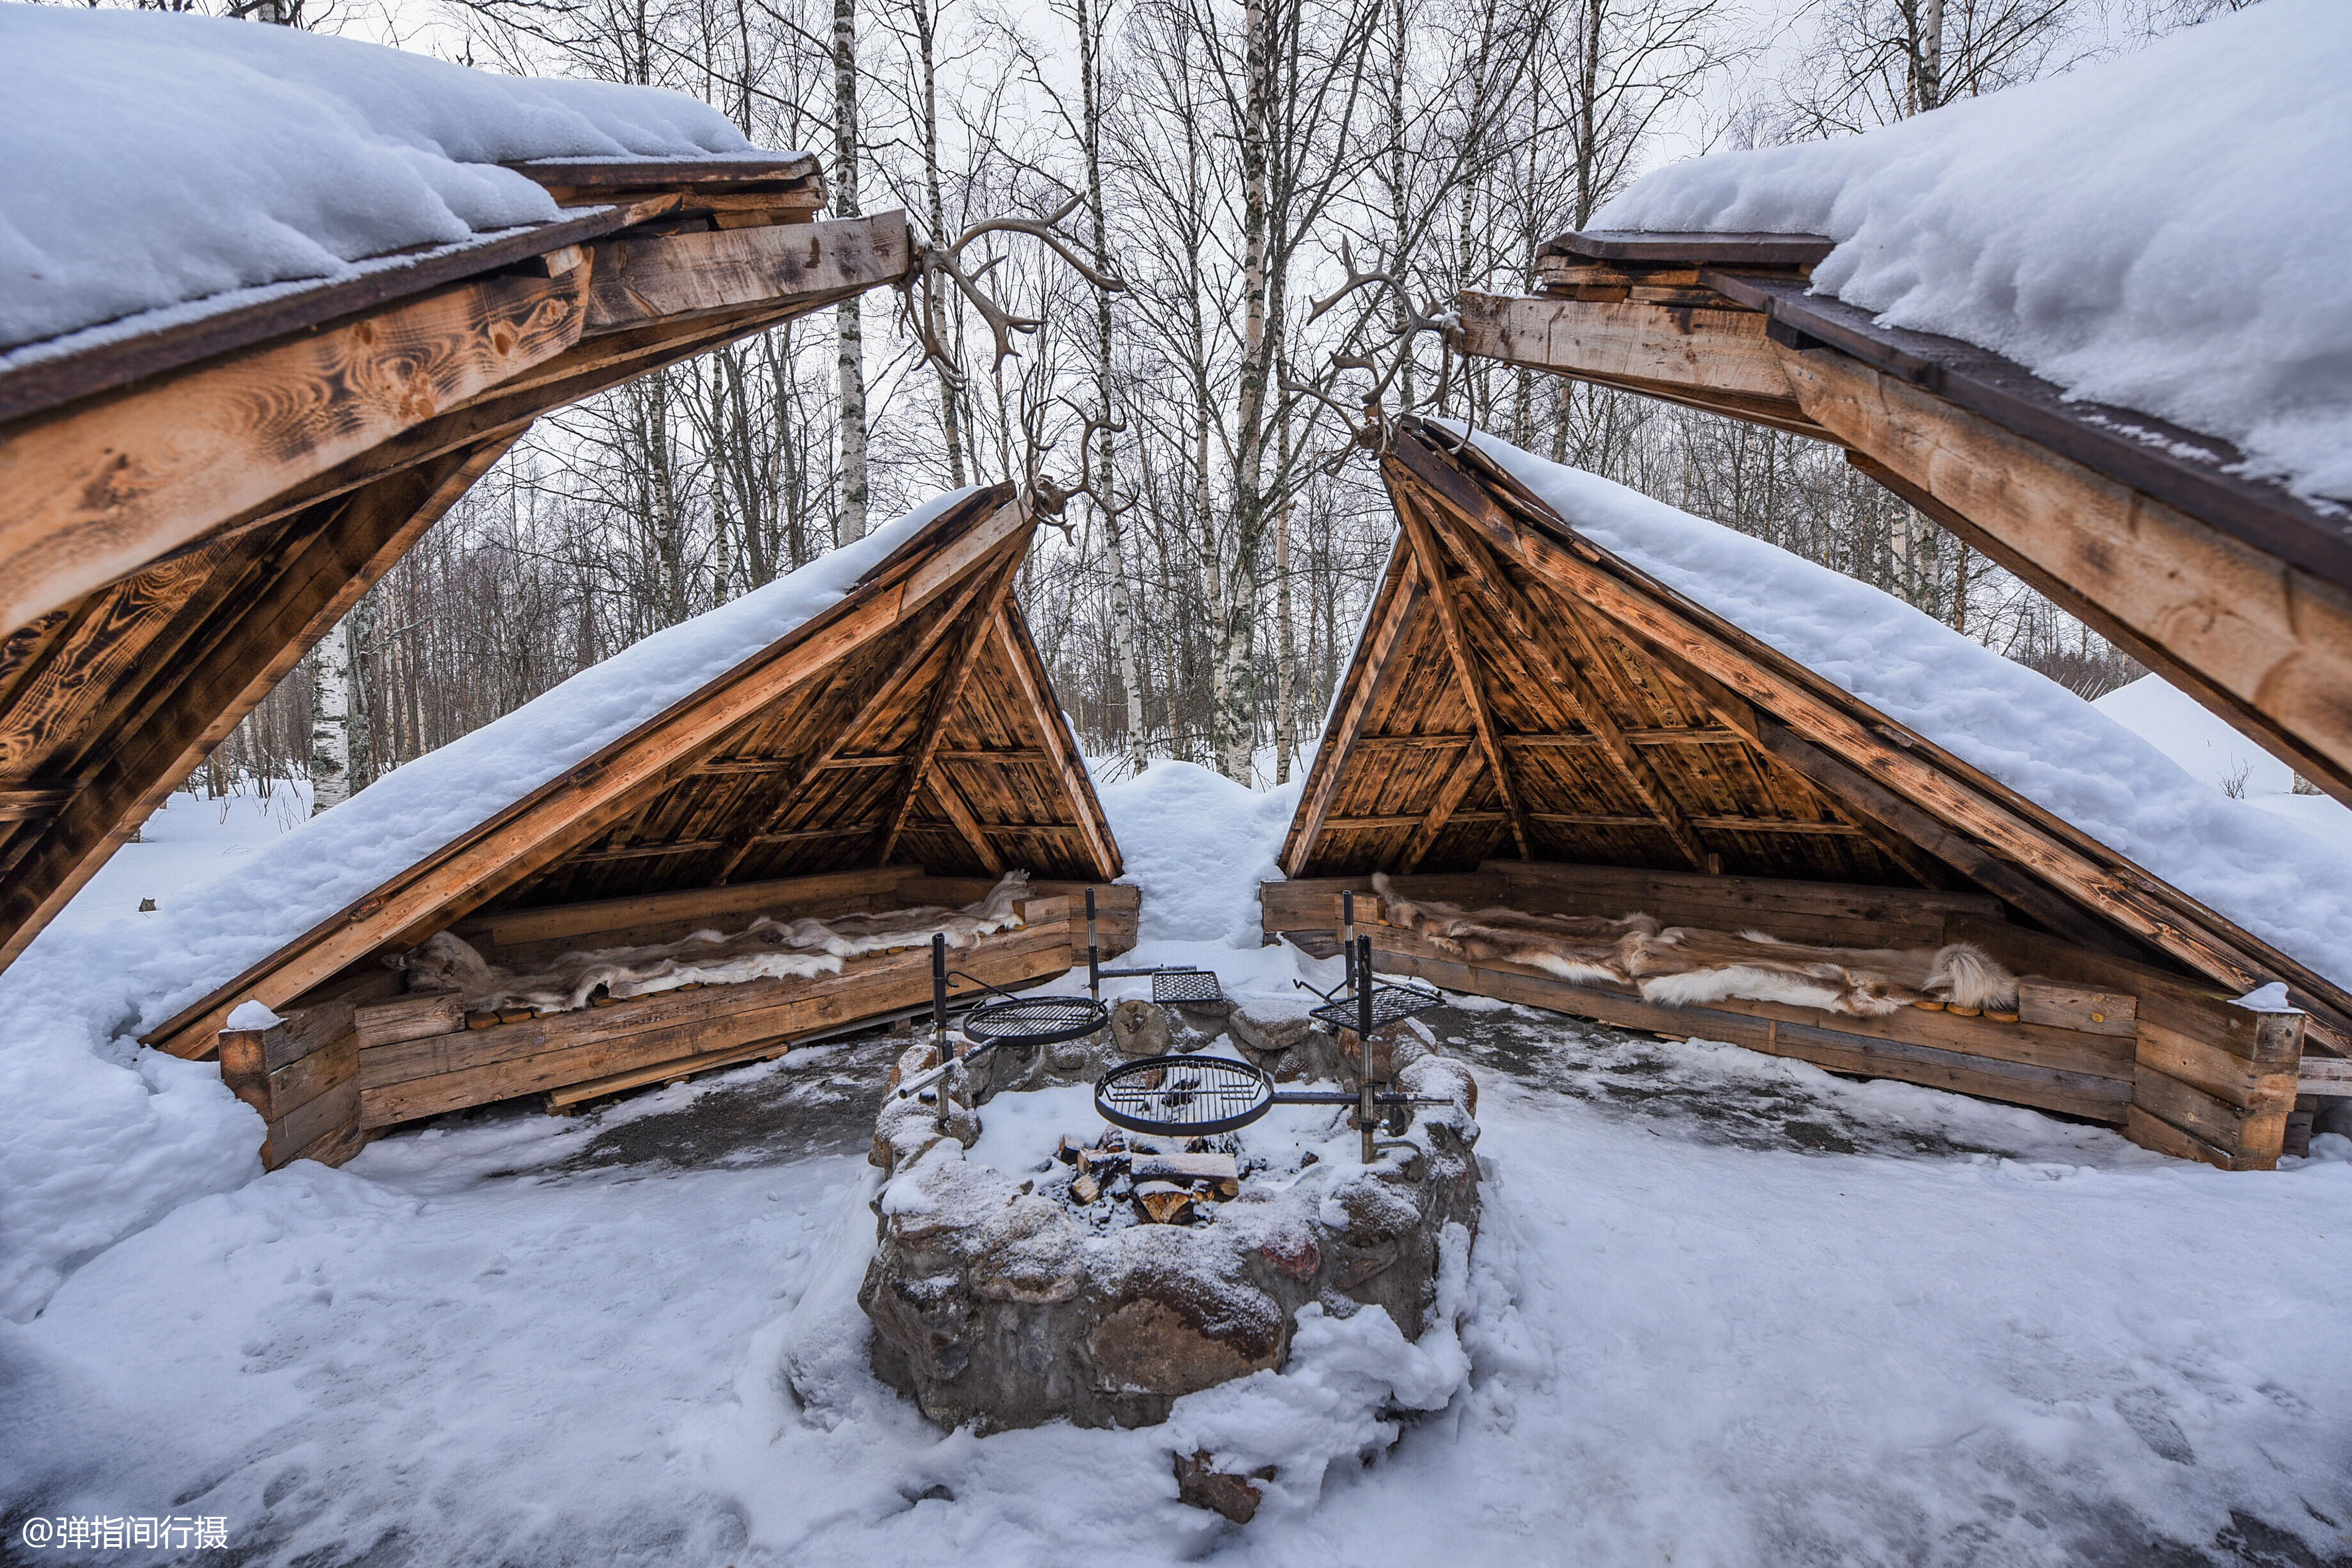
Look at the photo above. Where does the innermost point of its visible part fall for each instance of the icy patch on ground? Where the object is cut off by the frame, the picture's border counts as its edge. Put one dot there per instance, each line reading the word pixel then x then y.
pixel 2162 232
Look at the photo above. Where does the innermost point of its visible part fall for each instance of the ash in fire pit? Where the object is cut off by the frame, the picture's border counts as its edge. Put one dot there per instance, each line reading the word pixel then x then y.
pixel 1035 1263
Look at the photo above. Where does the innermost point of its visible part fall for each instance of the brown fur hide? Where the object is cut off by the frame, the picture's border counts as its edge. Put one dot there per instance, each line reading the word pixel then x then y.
pixel 1685 965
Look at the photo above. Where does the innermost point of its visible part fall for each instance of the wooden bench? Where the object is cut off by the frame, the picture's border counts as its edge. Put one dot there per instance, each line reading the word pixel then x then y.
pixel 2178 1067
pixel 358 1054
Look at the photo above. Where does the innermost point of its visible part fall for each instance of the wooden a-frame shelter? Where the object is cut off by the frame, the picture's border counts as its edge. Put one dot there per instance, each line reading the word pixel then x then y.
pixel 184 511
pixel 1531 721
pixel 2229 585
pixel 903 747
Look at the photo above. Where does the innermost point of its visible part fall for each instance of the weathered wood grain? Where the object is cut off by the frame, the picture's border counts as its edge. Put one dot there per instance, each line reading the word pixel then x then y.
pixel 102 489
pixel 680 276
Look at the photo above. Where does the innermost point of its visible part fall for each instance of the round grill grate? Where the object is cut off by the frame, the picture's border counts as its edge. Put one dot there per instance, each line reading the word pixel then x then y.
pixel 1035 1020
pixel 1183 1097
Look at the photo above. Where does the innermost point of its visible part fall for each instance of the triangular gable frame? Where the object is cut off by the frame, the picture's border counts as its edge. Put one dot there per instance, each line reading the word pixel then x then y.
pixel 682 801
pixel 1932 819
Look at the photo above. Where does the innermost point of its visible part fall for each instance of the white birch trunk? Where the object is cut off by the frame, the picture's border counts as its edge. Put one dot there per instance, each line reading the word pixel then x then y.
pixel 850 367
pixel 331 712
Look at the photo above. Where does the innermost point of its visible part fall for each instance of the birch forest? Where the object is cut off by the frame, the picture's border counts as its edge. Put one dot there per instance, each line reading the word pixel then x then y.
pixel 1234 223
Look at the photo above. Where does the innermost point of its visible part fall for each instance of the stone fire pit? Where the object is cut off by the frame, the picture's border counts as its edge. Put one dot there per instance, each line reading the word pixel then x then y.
pixel 1034 1263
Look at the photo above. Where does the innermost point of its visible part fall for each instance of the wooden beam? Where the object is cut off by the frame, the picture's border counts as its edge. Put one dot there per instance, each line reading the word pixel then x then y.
pixel 1367 670
pixel 944 700
pixel 107 485
pixel 2266 646
pixel 1431 562
pixel 680 276
pixel 1534 632
pixel 951 801
pixel 1450 796
pixel 880 694
pixel 2245 602
pixel 1721 357
pixel 1046 714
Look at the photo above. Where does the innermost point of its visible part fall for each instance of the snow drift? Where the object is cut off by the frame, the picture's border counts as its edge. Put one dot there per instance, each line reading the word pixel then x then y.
pixel 2163 232
pixel 149 157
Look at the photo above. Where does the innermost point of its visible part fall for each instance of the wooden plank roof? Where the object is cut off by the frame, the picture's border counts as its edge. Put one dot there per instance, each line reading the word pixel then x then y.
pixel 2230 586
pixel 184 511
pixel 1520 691
pixel 912 723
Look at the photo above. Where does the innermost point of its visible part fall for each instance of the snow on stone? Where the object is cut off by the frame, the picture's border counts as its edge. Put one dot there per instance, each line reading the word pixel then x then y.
pixel 134 1133
pixel 2290 886
pixel 2164 232
pixel 149 160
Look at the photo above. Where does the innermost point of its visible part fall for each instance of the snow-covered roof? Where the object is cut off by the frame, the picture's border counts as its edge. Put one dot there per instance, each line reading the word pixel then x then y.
pixel 2163 232
pixel 149 161
pixel 2288 886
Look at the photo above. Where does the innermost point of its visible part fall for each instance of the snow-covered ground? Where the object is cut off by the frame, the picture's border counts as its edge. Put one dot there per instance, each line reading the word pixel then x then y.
pixel 1725 1308
pixel 2161 231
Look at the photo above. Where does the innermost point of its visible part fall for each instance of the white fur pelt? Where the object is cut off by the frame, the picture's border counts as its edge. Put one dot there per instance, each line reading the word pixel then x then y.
pixel 1690 965
pixel 766 949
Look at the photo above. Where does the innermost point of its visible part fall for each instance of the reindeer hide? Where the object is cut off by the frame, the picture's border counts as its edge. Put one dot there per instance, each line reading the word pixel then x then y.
pixel 1685 965
pixel 765 948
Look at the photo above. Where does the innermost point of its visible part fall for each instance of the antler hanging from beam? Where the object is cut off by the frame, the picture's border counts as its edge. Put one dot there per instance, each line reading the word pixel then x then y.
pixel 934 262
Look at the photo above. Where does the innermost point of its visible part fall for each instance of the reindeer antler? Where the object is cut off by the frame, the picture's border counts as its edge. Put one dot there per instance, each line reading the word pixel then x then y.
pixel 1417 321
pixel 934 262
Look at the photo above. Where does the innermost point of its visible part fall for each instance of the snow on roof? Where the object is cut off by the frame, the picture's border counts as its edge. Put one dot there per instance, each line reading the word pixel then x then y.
pixel 2287 886
pixel 2163 232
pixel 148 160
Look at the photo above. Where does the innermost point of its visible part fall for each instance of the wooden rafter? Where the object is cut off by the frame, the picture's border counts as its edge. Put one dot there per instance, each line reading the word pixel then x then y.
pixel 570 812
pixel 2230 587
pixel 1459 781
pixel 1574 691
pixel 1366 672
pixel 169 490
pixel 243 634
pixel 880 695
pixel 1431 562
pixel 944 697
pixel 1069 768
pixel 101 488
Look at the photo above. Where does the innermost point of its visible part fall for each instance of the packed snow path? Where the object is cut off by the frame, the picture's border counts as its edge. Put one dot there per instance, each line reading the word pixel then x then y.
pixel 1729 1310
